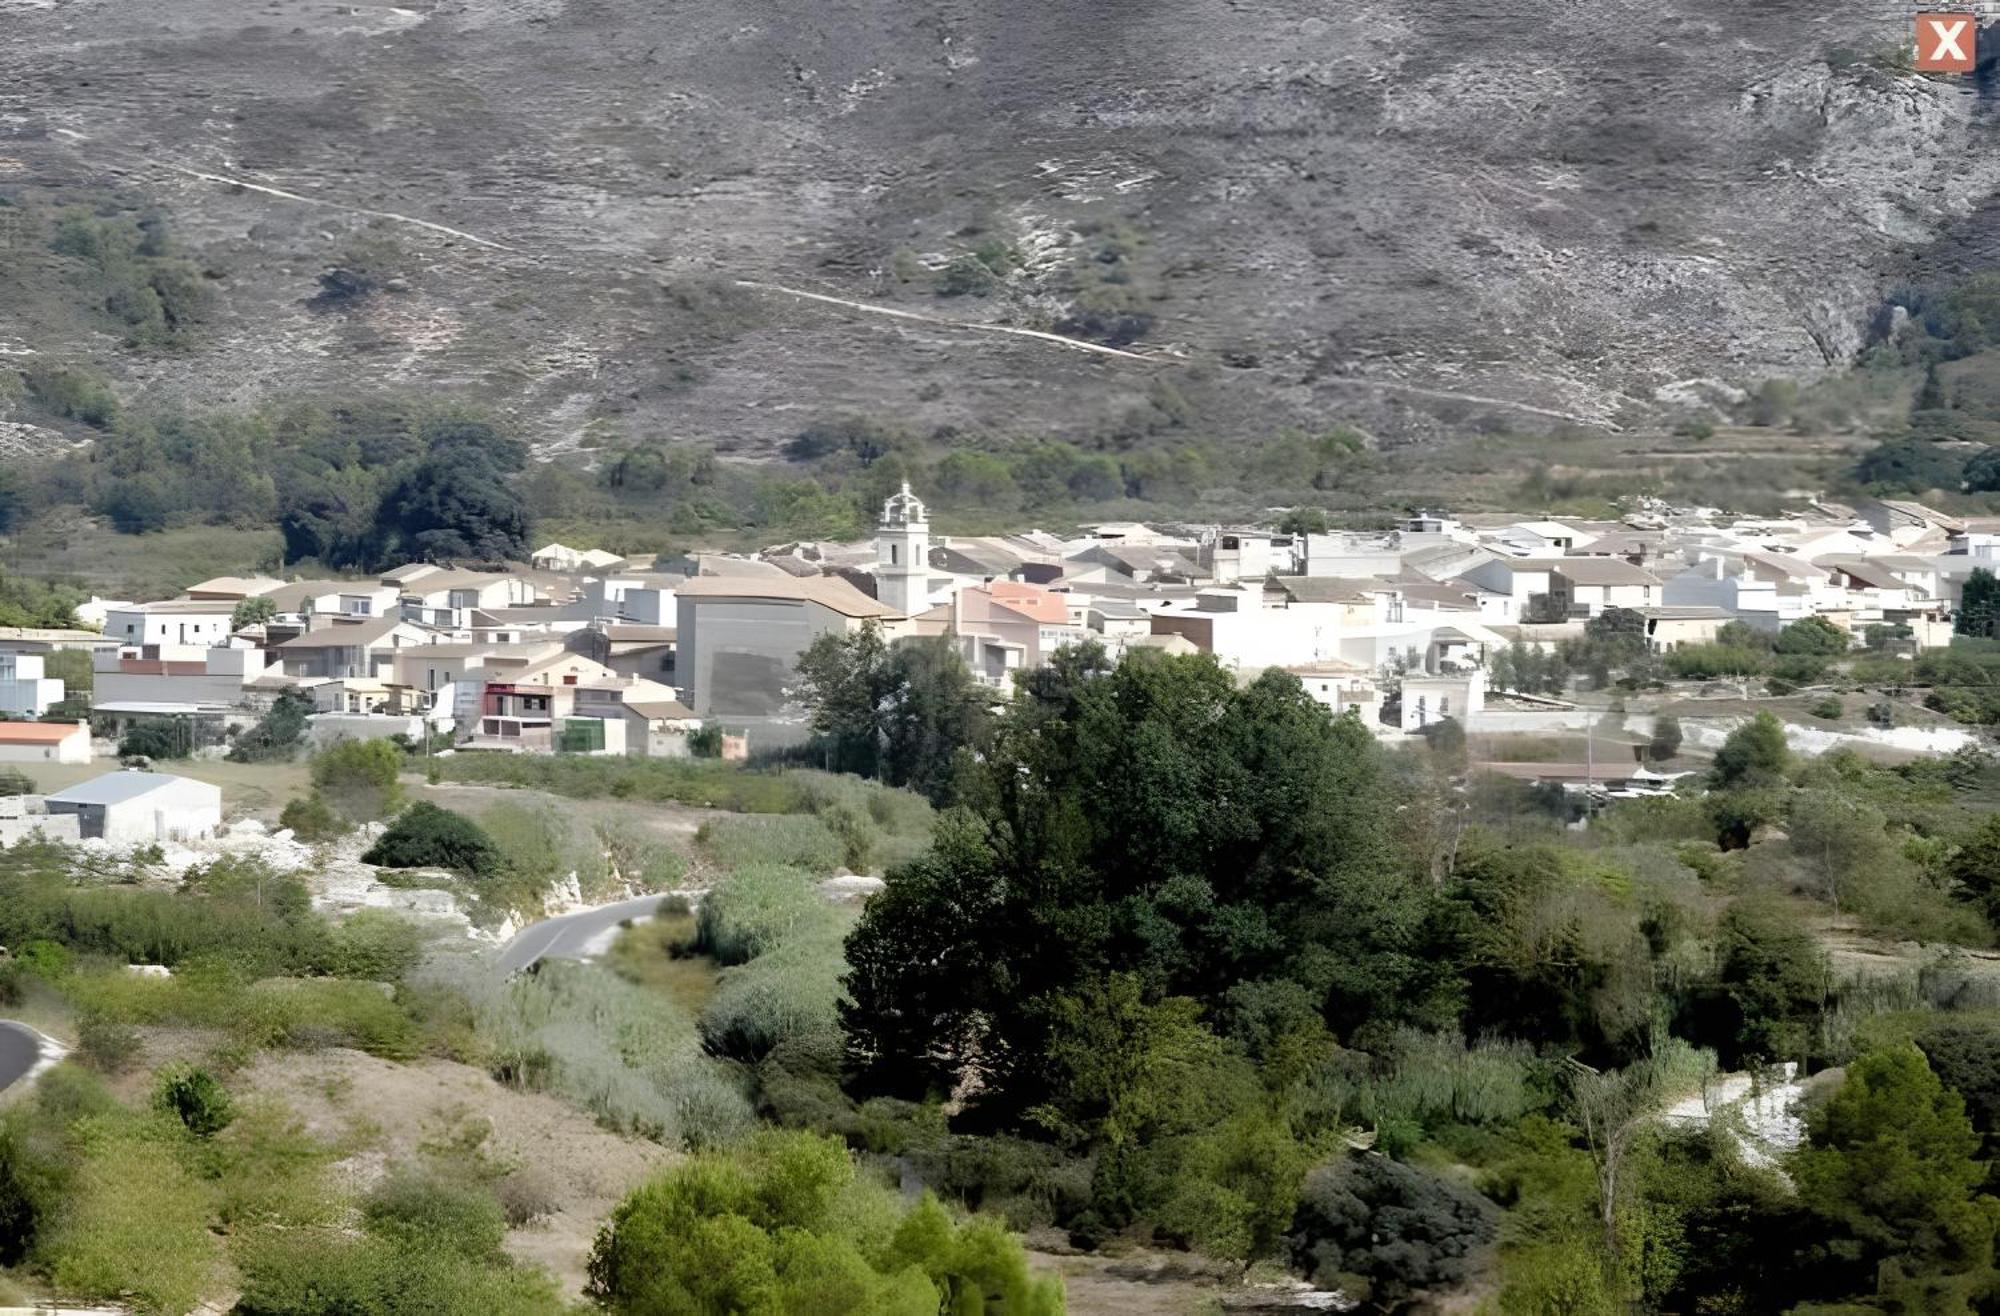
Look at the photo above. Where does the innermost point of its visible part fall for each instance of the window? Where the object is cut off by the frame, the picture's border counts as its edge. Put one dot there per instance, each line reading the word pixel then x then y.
pixel 1444 705
pixel 895 554
pixel 1423 714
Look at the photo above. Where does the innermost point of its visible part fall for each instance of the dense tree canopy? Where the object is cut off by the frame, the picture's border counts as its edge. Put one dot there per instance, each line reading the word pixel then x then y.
pixel 1154 820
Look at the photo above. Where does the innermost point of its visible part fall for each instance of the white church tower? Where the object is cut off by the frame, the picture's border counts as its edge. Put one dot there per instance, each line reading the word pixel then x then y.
pixel 903 554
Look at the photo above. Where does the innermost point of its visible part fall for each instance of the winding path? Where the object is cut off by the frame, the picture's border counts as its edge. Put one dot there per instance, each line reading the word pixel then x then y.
pixel 20 1052
pixel 573 936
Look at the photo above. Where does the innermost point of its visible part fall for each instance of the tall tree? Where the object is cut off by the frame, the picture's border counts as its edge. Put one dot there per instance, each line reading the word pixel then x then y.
pixel 1153 820
pixel 1890 1164
pixel 453 505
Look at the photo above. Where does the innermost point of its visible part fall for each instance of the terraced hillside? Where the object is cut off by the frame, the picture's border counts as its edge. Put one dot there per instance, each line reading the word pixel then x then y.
pixel 1416 216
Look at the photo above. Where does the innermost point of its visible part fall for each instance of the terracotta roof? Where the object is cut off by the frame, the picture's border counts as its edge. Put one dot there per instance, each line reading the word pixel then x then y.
pixel 38 733
pixel 1029 600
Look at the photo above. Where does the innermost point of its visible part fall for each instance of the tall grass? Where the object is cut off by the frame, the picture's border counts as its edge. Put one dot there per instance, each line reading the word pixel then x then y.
pixel 798 841
pixel 753 909
pixel 617 1050
pixel 789 993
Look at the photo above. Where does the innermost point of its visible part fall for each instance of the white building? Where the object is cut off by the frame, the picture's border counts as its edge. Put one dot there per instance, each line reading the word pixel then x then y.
pixel 44 742
pixel 1429 699
pixel 171 621
pixel 132 808
pixel 24 691
pixel 903 554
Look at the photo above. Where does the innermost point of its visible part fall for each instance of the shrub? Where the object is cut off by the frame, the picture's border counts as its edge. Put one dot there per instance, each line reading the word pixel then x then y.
pixel 192 1096
pixel 787 993
pixel 1666 739
pixel 757 908
pixel 158 738
pixel 312 820
pixel 1829 708
pixel 1396 1228
pixel 782 1224
pixel 358 778
pixel 106 1045
pixel 279 732
pixel 13 782
pixel 618 1050
pixel 133 1227
pixel 425 836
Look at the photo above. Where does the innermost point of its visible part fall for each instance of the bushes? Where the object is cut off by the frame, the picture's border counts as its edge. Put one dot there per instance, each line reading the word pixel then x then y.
pixel 1396 1229
pixel 613 1048
pixel 425 836
pixel 132 1225
pixel 192 1096
pixel 783 1225
pixel 788 992
pixel 312 820
pixel 358 778
pixel 280 731
pixel 757 908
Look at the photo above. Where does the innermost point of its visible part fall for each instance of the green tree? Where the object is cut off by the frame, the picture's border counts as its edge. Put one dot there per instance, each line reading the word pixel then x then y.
pixel 425 836
pixel 1891 1166
pixel 1773 980
pixel 358 778
pixel 158 738
pixel 1755 754
pixel 253 611
pixel 312 820
pixel 1816 636
pixel 1155 819
pixel 278 733
pixel 900 713
pixel 454 505
pixel 1930 396
pixel 780 1224
pixel 1975 870
pixel 1978 604
pixel 1304 521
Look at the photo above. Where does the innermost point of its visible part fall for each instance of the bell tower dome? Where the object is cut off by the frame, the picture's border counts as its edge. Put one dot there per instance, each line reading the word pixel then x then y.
pixel 903 553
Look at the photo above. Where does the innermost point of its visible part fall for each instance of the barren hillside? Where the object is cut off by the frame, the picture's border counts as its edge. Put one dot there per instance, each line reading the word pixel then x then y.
pixel 1401 212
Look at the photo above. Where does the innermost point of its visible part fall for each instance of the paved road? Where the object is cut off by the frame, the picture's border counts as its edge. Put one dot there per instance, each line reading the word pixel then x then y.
pixel 19 1050
pixel 569 937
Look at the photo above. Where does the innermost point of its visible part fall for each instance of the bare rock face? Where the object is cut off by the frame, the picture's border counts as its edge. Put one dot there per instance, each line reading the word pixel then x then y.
pixel 1405 213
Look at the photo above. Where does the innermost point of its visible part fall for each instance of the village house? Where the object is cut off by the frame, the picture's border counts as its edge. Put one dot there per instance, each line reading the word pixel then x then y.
pixel 44 742
pixel 172 621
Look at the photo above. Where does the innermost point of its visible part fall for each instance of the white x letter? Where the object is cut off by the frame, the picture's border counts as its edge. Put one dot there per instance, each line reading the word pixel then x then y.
pixel 1947 39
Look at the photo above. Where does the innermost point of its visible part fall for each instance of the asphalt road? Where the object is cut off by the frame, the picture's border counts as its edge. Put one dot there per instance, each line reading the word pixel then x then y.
pixel 19 1050
pixel 569 937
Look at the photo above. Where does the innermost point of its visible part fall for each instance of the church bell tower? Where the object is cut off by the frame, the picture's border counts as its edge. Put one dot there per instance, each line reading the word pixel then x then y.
pixel 903 554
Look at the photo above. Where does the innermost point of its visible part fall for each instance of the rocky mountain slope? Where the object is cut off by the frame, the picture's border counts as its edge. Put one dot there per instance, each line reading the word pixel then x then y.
pixel 1403 213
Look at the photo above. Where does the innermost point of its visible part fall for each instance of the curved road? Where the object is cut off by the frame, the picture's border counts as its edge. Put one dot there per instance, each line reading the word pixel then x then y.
pixel 20 1051
pixel 570 937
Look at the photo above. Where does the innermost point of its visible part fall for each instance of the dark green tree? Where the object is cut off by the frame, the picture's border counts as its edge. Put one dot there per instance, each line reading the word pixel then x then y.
pixel 1891 1167
pixel 425 836
pixel 1814 636
pixel 1153 820
pixel 278 733
pixel 1978 604
pixel 900 713
pixel 1666 738
pixel 453 505
pixel 1755 754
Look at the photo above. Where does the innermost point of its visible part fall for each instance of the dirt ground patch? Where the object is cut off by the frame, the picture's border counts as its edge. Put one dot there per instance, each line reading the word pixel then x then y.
pixel 394 1110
